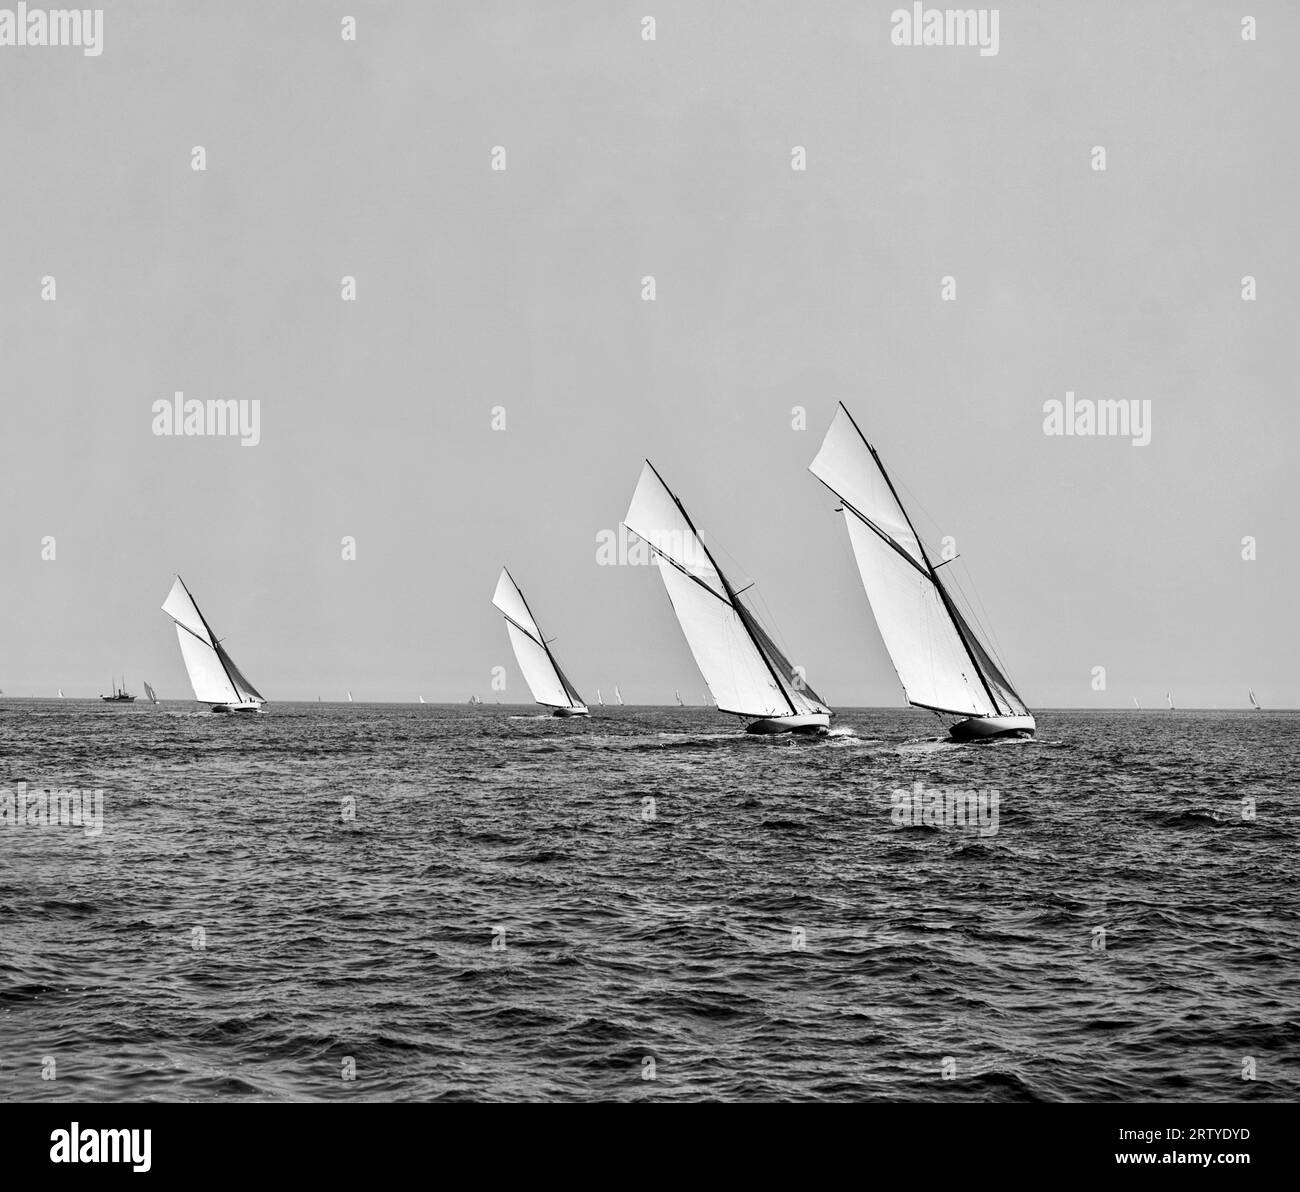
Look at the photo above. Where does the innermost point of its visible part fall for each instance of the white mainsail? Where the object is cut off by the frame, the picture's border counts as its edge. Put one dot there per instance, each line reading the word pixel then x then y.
pixel 149 691
pixel 940 661
pixel 1254 703
pixel 618 695
pixel 741 664
pixel 213 674
pixel 542 673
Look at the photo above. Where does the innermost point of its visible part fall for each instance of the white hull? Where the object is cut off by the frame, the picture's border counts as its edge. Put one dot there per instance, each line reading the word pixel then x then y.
pixel 244 708
pixel 816 722
pixel 981 728
pixel 571 712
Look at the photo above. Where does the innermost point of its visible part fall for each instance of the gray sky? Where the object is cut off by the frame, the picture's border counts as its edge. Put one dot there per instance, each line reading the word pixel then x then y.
pixel 522 289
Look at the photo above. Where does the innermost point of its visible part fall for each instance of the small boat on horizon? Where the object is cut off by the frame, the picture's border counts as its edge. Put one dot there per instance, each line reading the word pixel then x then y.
pixel 618 695
pixel 1254 703
pixel 149 692
pixel 547 682
pixel 740 662
pixel 1170 698
pixel 120 694
pixel 600 701
pixel 941 663
pixel 681 703
pixel 216 680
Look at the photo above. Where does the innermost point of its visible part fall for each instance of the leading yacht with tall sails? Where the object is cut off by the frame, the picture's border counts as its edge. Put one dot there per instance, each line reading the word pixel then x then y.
pixel 940 661
pixel 746 672
pixel 216 680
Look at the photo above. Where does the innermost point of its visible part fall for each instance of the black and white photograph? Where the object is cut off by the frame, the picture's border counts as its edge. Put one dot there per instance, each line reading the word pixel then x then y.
pixel 687 553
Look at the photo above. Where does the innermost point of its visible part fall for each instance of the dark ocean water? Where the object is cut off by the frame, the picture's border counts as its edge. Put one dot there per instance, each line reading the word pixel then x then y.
pixel 637 946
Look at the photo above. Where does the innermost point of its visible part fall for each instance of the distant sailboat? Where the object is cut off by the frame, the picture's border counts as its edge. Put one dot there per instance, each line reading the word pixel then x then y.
pixel 600 701
pixel 350 697
pixel 216 680
pixel 681 703
pixel 119 695
pixel 941 663
pixel 1254 703
pixel 1137 705
pixel 421 699
pixel 474 699
pixel 542 673
pixel 740 662
pixel 618 695
pixel 1170 698
pixel 149 691
pixel 60 693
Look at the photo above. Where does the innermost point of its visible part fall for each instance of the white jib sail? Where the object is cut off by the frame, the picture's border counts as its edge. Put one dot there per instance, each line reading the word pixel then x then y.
pixel 541 672
pixel 741 677
pixel 212 672
pixel 935 664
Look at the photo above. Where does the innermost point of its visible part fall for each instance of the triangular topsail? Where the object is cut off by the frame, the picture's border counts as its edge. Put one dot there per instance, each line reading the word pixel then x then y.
pixel 939 659
pixel 213 674
pixel 745 671
pixel 548 683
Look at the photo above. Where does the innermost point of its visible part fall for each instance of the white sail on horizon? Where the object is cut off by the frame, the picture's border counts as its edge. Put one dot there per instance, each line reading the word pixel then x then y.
pixel 149 691
pixel 740 663
pixel 212 672
pixel 547 682
pixel 939 660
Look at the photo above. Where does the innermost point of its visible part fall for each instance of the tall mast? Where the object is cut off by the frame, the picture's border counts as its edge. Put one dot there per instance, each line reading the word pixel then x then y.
pixel 732 598
pixel 934 578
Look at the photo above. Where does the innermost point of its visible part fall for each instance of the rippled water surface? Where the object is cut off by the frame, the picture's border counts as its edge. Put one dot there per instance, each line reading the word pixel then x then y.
pixel 480 903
